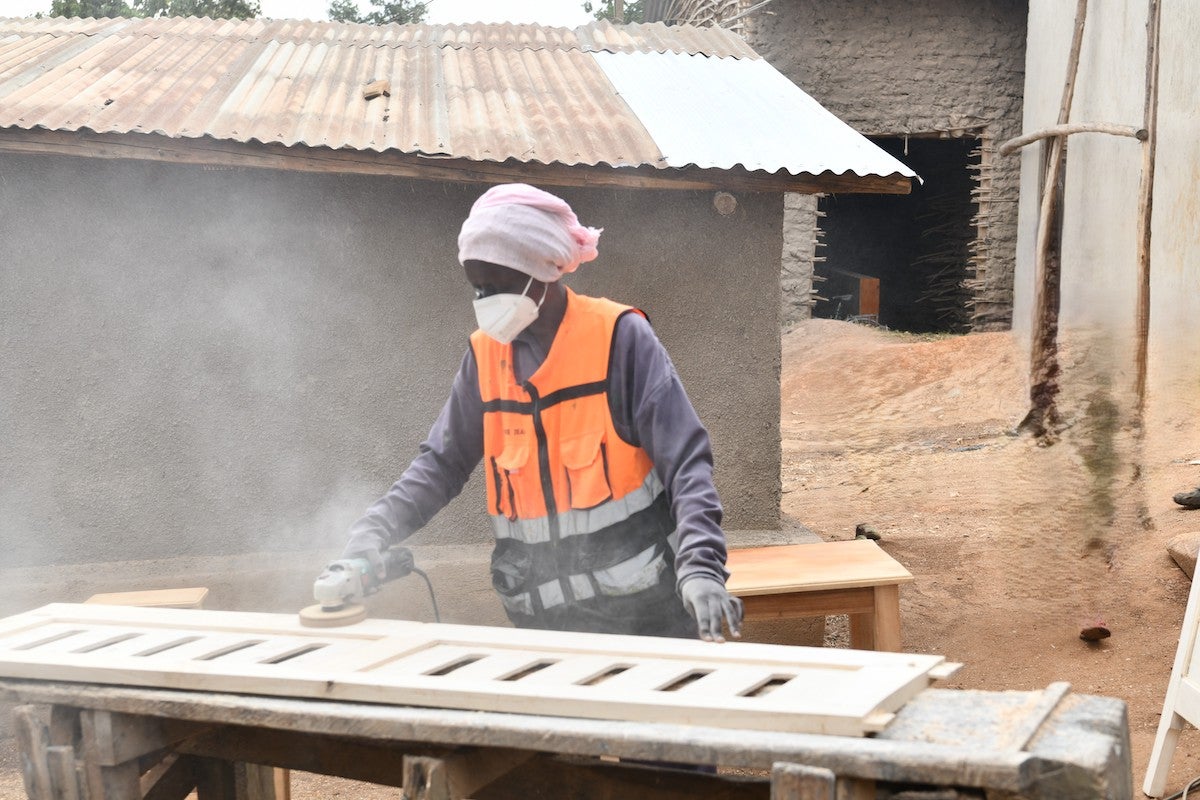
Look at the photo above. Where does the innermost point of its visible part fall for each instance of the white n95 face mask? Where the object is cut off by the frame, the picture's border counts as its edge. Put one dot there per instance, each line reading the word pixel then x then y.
pixel 503 316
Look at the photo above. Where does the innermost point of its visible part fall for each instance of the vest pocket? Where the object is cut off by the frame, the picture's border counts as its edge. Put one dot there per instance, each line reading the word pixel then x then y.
pixel 585 459
pixel 506 467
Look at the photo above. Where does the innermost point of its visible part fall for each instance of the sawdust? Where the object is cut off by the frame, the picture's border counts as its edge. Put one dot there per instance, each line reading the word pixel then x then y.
pixel 1013 549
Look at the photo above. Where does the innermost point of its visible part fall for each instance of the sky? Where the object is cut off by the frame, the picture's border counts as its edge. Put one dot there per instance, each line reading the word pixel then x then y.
pixel 567 13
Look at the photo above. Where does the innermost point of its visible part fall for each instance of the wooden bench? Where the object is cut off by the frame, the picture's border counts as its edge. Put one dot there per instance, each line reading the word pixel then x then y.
pixel 854 577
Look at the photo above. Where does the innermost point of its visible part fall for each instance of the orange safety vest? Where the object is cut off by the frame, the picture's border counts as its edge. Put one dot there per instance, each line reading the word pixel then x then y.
pixel 582 509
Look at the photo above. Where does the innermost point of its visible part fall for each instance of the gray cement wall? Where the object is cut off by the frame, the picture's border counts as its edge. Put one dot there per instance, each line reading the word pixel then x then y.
pixel 204 363
pixel 890 68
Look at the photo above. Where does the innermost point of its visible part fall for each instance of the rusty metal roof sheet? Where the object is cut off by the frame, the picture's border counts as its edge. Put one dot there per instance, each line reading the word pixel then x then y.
pixel 630 95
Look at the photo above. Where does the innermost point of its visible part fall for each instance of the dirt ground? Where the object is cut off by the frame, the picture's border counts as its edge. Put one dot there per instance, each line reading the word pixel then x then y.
pixel 1011 547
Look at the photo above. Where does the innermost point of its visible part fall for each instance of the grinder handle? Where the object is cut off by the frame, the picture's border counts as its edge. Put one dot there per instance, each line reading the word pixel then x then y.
pixel 397 563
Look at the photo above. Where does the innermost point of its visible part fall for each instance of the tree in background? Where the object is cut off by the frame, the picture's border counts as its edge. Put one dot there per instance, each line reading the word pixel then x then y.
pixel 90 8
pixel 401 12
pixel 215 9
pixel 632 11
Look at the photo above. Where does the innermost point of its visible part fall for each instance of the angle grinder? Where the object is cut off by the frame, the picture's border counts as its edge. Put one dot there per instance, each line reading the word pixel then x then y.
pixel 340 588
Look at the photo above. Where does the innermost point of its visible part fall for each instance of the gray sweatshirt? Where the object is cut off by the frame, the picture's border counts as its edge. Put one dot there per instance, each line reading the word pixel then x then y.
pixel 649 408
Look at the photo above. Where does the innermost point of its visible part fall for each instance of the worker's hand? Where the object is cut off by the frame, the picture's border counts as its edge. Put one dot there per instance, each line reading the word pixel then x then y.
pixel 710 604
pixel 370 547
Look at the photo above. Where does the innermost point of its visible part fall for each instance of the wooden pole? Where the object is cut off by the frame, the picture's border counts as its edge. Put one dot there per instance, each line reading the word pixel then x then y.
pixel 618 11
pixel 1043 413
pixel 1146 205
pixel 1017 142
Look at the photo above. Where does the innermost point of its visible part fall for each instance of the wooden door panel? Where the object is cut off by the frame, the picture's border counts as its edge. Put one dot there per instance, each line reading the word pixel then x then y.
pixel 762 687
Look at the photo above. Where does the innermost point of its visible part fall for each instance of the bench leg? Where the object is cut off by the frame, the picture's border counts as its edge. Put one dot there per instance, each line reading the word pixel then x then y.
pixel 887 618
pixel 878 629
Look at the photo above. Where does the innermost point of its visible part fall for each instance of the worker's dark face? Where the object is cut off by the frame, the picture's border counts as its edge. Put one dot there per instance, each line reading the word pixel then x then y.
pixel 488 279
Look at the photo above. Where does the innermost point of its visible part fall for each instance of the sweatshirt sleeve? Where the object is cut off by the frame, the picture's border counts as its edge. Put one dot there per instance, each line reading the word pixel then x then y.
pixel 650 409
pixel 442 467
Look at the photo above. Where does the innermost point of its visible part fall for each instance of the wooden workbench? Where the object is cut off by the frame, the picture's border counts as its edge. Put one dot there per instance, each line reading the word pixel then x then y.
pixel 1042 745
pixel 854 577
pixel 151 703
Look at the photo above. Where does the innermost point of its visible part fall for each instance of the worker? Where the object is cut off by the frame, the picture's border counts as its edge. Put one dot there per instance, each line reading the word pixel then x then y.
pixel 598 470
pixel 1188 499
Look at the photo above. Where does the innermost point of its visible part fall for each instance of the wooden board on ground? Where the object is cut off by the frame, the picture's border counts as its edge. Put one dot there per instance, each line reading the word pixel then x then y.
pixel 591 676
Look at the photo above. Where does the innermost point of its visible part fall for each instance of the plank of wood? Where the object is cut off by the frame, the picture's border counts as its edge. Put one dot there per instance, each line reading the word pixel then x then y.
pixel 813 566
pixel 191 597
pixel 823 602
pixel 478 668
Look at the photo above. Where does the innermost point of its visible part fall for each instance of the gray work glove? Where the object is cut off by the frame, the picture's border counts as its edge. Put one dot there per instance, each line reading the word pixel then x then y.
pixel 370 547
pixel 707 601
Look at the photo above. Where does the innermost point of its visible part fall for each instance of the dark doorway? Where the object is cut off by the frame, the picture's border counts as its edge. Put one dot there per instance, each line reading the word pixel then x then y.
pixel 918 246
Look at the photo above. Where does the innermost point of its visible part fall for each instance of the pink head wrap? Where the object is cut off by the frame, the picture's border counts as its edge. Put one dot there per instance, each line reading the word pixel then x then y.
pixel 519 226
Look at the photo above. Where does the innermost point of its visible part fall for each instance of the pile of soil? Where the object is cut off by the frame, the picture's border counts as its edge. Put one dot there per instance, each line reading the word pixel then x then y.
pixel 1012 549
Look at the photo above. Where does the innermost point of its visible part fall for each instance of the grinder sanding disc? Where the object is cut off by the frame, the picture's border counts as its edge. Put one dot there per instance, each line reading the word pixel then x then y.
pixel 317 617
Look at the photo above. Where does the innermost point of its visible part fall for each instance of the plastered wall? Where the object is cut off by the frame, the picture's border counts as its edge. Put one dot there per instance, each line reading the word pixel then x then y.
pixel 1098 321
pixel 1174 334
pixel 890 68
pixel 213 362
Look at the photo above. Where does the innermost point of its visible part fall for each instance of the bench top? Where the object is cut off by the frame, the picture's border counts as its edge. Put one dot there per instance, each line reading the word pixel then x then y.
pixel 778 569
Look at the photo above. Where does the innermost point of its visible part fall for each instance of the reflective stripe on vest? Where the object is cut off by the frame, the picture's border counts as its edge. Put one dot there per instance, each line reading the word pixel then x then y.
pixel 628 577
pixel 576 522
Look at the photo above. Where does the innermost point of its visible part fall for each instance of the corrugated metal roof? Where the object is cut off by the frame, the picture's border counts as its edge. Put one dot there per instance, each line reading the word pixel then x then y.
pixel 601 94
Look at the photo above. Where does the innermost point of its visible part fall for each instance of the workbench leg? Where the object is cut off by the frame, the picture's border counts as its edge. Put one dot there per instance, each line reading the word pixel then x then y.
pixel 118 782
pixel 215 780
pixel 798 782
pixel 64 773
pixel 258 782
pixel 887 618
pixel 852 789
pixel 879 629
pixel 32 741
pixel 281 779
pixel 458 775
pixel 862 631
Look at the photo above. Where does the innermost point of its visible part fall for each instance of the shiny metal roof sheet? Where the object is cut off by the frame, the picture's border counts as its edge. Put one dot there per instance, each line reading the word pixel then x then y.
pixel 625 96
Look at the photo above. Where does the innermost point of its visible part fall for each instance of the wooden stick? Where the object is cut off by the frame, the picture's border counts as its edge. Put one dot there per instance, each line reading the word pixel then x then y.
pixel 1043 413
pixel 1017 142
pixel 1146 204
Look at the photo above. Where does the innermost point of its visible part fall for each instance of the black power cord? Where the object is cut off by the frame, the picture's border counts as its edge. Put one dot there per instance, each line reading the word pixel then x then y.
pixel 1185 791
pixel 432 599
